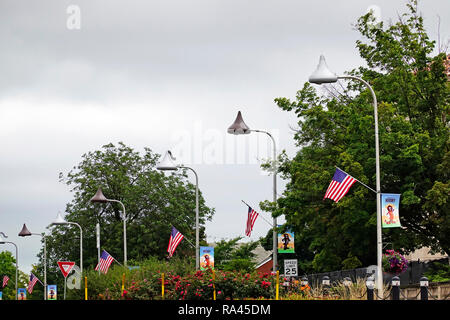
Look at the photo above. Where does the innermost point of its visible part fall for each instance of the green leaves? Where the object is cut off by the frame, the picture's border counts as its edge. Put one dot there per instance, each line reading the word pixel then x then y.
pixel 338 130
pixel 230 255
pixel 153 202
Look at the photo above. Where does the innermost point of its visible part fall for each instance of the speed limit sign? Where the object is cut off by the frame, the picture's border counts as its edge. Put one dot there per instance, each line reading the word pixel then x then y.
pixel 290 268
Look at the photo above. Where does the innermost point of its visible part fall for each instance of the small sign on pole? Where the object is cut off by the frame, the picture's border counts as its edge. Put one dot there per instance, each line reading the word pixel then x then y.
pixel 21 294
pixel 290 267
pixel 51 292
pixel 66 267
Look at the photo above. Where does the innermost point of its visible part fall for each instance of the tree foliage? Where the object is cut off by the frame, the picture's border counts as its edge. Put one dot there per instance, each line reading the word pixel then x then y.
pixel 231 255
pixel 337 129
pixel 154 202
pixel 8 268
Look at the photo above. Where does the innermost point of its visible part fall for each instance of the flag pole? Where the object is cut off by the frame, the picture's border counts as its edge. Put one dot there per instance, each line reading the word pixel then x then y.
pixel 259 215
pixel 365 185
pixel 117 261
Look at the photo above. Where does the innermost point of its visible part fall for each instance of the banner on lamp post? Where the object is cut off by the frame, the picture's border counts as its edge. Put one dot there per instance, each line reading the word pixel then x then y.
pixel 52 292
pixel 390 213
pixel 206 258
pixel 286 242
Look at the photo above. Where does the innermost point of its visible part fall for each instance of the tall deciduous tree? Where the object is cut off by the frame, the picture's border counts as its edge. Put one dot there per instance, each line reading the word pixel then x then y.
pixel 337 129
pixel 154 201
pixel 8 268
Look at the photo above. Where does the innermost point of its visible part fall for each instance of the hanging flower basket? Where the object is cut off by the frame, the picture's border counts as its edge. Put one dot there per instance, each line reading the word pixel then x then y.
pixel 394 263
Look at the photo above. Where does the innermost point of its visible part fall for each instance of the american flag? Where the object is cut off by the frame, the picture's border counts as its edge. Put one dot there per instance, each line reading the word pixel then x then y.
pixel 251 218
pixel 33 280
pixel 105 261
pixel 5 281
pixel 174 241
pixel 339 186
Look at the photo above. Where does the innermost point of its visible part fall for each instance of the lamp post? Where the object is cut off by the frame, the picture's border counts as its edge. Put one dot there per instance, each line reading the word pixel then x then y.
pixel 59 221
pixel 2 241
pixel 26 233
pixel 167 164
pixel 239 127
pixel 100 198
pixel 323 75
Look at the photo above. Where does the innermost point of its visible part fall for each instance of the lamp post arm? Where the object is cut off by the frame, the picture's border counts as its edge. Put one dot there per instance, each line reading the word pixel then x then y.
pixel 124 231
pixel 45 261
pixel 81 245
pixel 378 184
pixel 197 231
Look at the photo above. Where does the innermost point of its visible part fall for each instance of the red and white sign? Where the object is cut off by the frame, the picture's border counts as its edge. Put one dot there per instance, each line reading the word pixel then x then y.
pixel 66 267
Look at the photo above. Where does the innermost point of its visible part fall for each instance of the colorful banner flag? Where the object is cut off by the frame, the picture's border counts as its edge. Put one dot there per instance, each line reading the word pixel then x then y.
pixel 251 218
pixel 339 185
pixel 51 292
pixel 105 261
pixel 390 204
pixel 174 241
pixel 286 242
pixel 32 282
pixel 21 294
pixel 5 281
pixel 206 258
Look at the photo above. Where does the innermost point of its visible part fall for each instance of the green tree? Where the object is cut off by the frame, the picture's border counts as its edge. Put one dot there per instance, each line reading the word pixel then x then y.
pixel 8 268
pixel 337 129
pixel 230 255
pixel 153 202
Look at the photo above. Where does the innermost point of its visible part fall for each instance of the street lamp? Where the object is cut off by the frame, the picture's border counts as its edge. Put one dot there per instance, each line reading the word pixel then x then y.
pixel 323 75
pixel 167 164
pixel 2 241
pixel 59 221
pixel 239 127
pixel 25 233
pixel 100 198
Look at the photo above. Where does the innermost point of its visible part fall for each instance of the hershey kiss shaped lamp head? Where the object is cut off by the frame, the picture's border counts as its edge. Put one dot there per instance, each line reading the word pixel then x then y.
pixel 167 163
pixel 59 219
pixel 239 126
pixel 24 232
pixel 322 74
pixel 99 197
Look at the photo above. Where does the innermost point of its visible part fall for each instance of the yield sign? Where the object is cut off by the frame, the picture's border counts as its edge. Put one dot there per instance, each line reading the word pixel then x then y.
pixel 66 267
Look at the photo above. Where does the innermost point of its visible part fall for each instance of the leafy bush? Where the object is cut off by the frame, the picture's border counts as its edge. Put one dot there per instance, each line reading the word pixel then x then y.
pixel 438 272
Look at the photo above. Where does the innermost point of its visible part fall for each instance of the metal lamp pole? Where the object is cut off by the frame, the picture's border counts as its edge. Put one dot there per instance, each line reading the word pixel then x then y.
pixel 59 221
pixel 239 127
pixel 197 230
pixel 274 233
pixel 24 233
pixel 99 197
pixel 323 75
pixel 167 164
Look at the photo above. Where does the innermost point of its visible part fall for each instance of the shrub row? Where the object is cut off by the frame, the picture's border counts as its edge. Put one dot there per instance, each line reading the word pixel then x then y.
pixel 182 282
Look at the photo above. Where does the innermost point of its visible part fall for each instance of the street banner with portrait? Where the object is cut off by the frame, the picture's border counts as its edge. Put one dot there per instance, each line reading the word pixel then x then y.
pixel 206 258
pixel 52 292
pixel 390 204
pixel 286 242
pixel 21 294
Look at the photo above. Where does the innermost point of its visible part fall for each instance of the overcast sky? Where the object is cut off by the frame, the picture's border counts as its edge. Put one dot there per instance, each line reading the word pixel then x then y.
pixel 76 75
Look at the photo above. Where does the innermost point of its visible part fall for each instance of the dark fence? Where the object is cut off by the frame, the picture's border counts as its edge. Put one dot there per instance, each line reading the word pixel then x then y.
pixel 415 271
